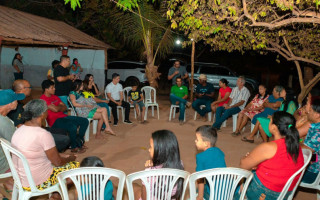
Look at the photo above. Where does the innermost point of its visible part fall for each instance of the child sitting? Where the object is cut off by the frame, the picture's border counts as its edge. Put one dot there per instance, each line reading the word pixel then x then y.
pixel 211 157
pixel 94 161
pixel 164 153
pixel 135 97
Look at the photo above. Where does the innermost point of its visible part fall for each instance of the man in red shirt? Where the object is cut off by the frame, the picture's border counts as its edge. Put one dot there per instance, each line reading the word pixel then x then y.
pixel 57 119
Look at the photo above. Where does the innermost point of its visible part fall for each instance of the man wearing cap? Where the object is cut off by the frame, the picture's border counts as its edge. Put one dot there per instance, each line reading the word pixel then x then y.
pixel 60 136
pixel 178 71
pixel 8 102
pixel 204 94
pixel 238 99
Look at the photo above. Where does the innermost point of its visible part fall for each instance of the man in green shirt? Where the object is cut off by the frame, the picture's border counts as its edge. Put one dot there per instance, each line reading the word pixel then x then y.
pixel 178 96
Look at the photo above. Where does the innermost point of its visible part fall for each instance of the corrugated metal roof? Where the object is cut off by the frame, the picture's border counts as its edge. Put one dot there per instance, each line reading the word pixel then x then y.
pixel 24 28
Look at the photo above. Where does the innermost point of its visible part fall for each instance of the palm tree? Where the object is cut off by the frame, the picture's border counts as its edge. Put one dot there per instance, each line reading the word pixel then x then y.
pixel 148 31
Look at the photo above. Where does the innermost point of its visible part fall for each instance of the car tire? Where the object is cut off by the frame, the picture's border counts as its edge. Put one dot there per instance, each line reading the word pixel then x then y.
pixel 130 81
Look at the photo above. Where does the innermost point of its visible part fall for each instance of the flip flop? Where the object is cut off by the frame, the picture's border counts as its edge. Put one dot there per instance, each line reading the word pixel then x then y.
pixel 246 140
pixel 110 133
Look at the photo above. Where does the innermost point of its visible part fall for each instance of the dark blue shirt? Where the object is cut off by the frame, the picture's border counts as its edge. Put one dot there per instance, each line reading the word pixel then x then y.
pixel 208 89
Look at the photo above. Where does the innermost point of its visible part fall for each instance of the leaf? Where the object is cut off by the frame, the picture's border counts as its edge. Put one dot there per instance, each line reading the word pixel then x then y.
pixel 174 24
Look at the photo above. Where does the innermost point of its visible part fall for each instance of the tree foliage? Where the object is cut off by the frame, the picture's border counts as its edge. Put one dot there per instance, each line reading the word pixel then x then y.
pixel 288 27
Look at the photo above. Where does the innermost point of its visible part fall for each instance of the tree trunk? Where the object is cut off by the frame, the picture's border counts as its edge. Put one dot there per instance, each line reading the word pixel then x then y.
pixel 192 70
pixel 308 74
pixel 151 70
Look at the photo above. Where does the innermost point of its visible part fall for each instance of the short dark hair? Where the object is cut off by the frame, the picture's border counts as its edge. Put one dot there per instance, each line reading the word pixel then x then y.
pixel 179 77
pixel 316 105
pixel 74 60
pixel 76 85
pixel 115 75
pixel 223 80
pixel 46 84
pixel 208 134
pixel 64 57
pixel 91 161
pixel 55 62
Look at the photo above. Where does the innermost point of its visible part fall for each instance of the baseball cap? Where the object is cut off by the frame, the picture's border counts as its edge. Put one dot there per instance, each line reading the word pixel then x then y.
pixel 203 77
pixel 9 96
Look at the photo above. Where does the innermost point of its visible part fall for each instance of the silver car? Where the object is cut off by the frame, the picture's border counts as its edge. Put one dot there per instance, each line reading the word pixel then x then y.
pixel 129 71
pixel 215 72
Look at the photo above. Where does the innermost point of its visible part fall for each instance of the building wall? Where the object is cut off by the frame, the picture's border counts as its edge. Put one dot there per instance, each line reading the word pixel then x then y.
pixel 38 60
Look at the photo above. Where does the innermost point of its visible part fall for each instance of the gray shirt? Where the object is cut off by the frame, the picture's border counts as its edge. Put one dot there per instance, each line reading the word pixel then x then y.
pixel 7 129
pixel 182 72
pixel 19 64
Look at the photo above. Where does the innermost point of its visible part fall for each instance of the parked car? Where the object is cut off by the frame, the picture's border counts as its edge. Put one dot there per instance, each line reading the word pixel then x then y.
pixel 215 72
pixel 129 71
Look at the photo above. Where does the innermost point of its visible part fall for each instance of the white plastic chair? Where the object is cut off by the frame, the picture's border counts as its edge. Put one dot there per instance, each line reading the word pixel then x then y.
pixel 223 182
pixel 126 90
pixel 173 112
pixel 159 183
pixel 150 100
pixel 307 157
pixel 315 185
pixel 118 107
pixel 90 182
pixel 24 194
pixel 94 122
pixel 209 114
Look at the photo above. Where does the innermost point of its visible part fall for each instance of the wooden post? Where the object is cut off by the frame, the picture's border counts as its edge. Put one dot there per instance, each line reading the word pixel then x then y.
pixel 105 67
pixel 192 69
pixel 1 39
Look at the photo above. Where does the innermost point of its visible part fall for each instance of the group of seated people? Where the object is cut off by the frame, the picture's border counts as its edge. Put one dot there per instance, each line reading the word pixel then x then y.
pixel 272 163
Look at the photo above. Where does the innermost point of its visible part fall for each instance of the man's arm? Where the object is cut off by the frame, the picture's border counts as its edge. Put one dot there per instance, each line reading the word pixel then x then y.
pixel 65 78
pixel 59 108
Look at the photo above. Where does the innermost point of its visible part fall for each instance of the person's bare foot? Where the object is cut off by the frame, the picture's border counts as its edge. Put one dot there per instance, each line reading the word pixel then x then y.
pixel 110 131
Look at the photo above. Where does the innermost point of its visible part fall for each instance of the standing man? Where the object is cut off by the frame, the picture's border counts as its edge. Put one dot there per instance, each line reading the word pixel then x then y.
pixel 18 66
pixel 8 102
pixel 114 92
pixel 63 80
pixel 178 71
pixel 204 94
pixel 312 141
pixel 178 96
pixel 238 99
pixel 60 136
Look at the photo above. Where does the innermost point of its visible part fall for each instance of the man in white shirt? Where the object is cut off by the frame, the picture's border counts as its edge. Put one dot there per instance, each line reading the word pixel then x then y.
pixel 238 99
pixel 114 92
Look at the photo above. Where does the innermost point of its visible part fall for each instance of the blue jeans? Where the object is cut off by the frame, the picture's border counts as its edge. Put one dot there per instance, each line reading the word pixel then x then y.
pixel 309 177
pixel 222 114
pixel 199 102
pixel 182 105
pixel 71 124
pixel 256 188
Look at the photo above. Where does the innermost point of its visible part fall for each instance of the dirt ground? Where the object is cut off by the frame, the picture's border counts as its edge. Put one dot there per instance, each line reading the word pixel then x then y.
pixel 129 150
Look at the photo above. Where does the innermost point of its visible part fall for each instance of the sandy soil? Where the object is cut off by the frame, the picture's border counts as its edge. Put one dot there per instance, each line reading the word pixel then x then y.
pixel 129 150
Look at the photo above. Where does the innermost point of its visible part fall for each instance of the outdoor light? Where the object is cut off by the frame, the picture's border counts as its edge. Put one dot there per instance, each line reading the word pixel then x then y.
pixel 178 42
pixel 191 39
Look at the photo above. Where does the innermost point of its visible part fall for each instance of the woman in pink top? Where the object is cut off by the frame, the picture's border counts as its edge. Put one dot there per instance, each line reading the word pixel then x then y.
pixel 275 162
pixel 224 93
pixel 164 153
pixel 253 108
pixel 38 147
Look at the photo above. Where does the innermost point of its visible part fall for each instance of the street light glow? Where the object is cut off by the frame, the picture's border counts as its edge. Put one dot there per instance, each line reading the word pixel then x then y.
pixel 178 42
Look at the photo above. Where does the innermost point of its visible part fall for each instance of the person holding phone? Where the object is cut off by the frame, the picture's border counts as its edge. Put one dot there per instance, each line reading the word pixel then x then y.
pixel 178 71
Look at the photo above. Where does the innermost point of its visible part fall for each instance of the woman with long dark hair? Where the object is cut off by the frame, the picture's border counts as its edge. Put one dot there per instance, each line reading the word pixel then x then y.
pixel 88 108
pixel 224 93
pixel 275 162
pixel 18 66
pixel 164 153
pixel 253 108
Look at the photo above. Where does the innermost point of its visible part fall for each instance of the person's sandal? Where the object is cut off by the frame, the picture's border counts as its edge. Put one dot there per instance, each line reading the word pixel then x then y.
pixel 78 150
pixel 246 140
pixel 235 134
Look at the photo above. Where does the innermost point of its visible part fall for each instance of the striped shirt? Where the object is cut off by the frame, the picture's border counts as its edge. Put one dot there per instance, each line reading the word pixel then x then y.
pixel 239 95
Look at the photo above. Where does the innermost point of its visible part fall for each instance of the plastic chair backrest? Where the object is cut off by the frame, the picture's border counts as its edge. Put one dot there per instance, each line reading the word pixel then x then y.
pixel 159 183
pixel 307 157
pixel 223 182
pixel 90 182
pixel 8 150
pixel 126 90
pixel 73 110
pixel 150 94
pixel 314 185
